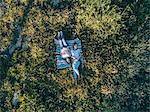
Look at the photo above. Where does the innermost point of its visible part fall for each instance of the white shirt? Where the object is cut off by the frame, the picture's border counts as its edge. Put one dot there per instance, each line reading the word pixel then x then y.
pixel 65 53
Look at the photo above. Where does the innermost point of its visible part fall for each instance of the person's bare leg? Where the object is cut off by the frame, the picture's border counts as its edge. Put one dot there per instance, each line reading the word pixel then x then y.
pixel 68 60
pixel 60 43
pixel 61 34
pixel 62 37
pixel 64 42
pixel 58 35
pixel 72 79
pixel 59 39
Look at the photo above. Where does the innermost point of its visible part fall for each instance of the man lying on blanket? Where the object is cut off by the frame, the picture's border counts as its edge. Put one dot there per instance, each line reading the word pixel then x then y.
pixel 76 55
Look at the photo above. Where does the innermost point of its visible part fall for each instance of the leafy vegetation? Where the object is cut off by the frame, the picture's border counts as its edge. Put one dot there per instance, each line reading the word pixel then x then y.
pixel 115 40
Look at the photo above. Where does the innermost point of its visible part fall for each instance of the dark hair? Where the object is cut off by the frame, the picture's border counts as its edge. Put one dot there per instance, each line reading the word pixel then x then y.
pixel 75 43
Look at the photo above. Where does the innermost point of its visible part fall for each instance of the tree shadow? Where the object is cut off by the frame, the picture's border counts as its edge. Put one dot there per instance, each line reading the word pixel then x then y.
pixel 134 96
pixel 6 57
pixel 5 60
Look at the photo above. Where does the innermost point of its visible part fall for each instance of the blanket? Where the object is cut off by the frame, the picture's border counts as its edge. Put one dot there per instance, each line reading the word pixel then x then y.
pixel 61 63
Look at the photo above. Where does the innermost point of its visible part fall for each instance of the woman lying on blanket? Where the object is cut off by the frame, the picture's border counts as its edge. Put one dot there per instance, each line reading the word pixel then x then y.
pixel 65 51
pixel 76 54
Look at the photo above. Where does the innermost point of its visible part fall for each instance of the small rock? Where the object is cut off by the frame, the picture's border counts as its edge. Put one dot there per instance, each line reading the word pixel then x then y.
pixel 15 99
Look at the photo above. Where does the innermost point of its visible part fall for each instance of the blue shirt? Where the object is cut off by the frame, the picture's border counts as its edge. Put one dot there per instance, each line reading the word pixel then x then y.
pixel 76 53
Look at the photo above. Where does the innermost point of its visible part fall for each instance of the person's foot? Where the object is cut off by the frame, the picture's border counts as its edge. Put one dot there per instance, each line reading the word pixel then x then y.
pixel 58 36
pixel 68 60
pixel 61 34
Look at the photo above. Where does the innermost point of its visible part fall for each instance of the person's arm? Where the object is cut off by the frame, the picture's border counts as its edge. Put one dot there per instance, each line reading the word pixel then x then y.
pixel 79 55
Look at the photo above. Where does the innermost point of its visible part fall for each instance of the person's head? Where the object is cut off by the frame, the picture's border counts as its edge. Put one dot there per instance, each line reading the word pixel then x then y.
pixel 75 46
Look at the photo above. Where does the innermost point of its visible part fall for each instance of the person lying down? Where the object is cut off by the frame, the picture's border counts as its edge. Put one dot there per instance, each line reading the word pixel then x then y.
pixel 65 51
pixel 76 55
